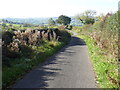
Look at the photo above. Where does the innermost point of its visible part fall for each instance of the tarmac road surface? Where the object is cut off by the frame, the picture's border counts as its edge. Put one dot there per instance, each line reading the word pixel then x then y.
pixel 69 68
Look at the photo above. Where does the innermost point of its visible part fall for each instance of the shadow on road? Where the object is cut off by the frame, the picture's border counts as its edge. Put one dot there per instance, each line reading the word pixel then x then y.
pixel 77 41
pixel 46 71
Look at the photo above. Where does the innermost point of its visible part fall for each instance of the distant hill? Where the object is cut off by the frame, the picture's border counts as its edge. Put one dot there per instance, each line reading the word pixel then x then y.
pixel 39 21
pixel 36 21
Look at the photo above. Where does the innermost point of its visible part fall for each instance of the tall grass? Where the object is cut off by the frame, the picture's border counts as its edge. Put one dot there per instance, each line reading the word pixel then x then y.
pixel 101 65
pixel 104 51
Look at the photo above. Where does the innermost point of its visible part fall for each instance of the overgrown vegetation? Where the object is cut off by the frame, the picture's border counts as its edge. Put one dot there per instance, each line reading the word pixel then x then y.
pixel 102 40
pixel 87 17
pixel 23 49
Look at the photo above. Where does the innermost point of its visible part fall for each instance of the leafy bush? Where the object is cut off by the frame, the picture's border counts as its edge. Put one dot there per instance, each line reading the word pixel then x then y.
pixel 105 34
pixel 7 37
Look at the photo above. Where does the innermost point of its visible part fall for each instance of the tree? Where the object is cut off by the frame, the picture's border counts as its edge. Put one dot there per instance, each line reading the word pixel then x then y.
pixel 51 22
pixel 65 20
pixel 87 17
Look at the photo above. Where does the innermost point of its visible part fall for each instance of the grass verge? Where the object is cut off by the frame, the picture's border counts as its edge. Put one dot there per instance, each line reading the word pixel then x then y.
pixel 101 65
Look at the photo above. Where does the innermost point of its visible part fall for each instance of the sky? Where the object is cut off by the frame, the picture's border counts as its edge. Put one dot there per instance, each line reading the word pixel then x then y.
pixel 54 8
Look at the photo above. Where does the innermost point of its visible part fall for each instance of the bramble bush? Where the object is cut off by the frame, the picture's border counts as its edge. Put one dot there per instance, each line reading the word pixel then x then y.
pixel 105 33
pixel 16 42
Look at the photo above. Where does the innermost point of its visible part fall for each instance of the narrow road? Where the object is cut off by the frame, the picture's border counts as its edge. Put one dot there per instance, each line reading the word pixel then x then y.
pixel 69 68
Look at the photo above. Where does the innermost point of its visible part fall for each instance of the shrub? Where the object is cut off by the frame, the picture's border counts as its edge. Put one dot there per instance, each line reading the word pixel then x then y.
pixel 7 37
pixel 105 34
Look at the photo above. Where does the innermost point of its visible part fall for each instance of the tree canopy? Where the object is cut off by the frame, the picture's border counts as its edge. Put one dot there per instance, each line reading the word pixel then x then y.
pixel 62 19
pixel 87 17
pixel 51 22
